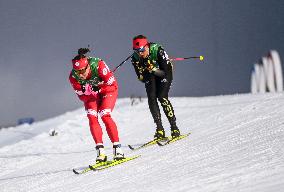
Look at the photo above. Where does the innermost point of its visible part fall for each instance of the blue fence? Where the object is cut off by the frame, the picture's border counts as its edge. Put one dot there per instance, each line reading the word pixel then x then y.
pixel 28 120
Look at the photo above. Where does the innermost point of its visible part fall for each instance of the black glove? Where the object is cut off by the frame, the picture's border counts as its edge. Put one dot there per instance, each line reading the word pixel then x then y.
pixel 150 67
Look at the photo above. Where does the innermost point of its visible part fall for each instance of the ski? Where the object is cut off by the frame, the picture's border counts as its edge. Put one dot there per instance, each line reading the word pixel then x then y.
pixel 149 143
pixel 78 172
pixel 171 140
pixel 113 163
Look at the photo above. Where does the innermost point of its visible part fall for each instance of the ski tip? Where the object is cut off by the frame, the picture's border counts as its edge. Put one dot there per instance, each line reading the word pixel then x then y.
pixel 130 147
pixel 91 167
pixel 159 143
pixel 74 171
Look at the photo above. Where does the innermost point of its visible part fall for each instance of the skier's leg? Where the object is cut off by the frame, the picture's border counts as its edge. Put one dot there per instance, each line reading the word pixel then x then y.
pixel 95 128
pixel 154 108
pixel 105 109
pixel 163 90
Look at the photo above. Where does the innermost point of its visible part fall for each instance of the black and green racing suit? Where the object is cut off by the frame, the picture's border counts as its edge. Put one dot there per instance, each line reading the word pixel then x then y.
pixel 157 83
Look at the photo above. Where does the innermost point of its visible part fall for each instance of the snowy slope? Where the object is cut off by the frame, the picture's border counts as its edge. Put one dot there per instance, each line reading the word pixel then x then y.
pixel 237 144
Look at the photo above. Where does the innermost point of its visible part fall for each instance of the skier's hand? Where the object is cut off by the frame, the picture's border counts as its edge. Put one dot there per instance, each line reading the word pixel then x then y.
pixel 95 93
pixel 140 78
pixel 89 90
pixel 150 67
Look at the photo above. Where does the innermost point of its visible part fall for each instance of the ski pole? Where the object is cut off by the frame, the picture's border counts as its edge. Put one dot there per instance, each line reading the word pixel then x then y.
pixel 122 62
pixel 201 58
pixel 125 60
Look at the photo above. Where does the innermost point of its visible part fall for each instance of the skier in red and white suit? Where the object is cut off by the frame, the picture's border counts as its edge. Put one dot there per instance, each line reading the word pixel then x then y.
pixel 97 87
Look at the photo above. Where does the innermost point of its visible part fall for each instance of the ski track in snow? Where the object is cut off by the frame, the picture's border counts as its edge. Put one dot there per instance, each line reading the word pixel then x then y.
pixel 237 144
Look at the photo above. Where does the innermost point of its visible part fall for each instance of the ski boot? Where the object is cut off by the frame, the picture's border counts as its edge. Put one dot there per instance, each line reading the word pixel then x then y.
pixel 117 152
pixel 175 132
pixel 160 134
pixel 101 156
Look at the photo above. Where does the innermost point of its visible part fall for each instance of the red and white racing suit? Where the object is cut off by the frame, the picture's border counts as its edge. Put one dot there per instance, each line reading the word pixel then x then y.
pixel 100 104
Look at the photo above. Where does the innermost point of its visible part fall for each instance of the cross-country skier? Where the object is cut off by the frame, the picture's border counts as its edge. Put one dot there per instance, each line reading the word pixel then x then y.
pixel 96 86
pixel 153 67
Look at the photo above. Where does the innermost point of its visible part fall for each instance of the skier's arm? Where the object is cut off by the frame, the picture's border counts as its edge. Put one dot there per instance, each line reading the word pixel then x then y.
pixel 78 89
pixel 109 83
pixel 163 61
pixel 138 70
pixel 157 72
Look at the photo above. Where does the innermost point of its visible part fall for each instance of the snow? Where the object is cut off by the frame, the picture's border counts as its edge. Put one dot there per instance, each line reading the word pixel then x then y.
pixel 237 144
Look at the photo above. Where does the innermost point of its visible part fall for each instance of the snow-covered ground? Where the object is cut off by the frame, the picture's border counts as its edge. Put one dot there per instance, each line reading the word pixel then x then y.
pixel 237 144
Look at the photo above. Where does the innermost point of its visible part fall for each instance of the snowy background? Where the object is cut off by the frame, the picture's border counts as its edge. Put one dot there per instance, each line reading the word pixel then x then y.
pixel 237 144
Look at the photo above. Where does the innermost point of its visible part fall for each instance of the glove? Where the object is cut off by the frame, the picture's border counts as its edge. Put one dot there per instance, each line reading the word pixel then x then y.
pixel 150 67
pixel 140 77
pixel 88 90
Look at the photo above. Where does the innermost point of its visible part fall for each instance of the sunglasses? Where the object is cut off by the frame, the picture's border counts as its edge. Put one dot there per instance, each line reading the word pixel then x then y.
pixel 141 49
pixel 81 71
